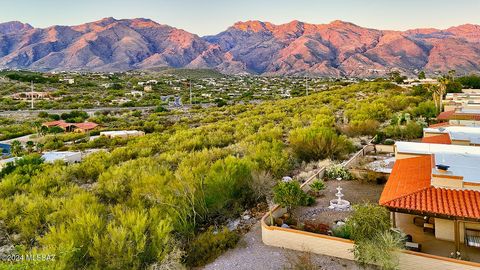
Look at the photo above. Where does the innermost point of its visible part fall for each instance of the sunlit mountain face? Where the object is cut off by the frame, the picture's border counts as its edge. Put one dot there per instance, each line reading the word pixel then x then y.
pixel 296 48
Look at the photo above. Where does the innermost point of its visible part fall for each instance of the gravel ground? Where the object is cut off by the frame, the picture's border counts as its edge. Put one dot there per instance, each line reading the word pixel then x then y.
pixel 354 191
pixel 252 254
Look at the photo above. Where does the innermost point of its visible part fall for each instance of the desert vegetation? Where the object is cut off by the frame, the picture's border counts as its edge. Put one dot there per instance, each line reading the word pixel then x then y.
pixel 161 196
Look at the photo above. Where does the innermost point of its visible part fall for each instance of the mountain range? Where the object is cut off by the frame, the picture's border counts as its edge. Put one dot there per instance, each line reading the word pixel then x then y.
pixel 335 49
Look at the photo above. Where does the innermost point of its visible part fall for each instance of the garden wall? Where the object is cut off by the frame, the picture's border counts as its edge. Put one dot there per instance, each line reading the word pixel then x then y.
pixel 342 248
pixel 385 148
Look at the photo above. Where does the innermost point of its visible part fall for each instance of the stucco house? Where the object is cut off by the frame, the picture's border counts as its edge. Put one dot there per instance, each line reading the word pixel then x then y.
pixel 433 193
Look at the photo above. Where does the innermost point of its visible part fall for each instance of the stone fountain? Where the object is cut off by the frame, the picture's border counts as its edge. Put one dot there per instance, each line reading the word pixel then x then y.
pixel 339 204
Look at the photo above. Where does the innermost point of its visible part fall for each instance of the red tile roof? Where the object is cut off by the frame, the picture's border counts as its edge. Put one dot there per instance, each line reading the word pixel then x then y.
pixel 53 123
pixel 440 139
pixel 449 202
pixel 409 188
pixel 445 115
pixel 63 124
pixel 86 125
pixel 442 124
pixel 408 176
pixel 453 115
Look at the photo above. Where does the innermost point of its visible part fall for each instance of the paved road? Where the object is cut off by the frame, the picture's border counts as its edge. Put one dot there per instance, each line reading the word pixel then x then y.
pixel 92 111
pixel 60 111
pixel 22 139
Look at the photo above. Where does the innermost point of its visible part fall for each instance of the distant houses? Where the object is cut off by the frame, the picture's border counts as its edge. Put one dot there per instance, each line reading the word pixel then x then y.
pixel 122 133
pixel 462 108
pixel 72 127
pixel 50 157
pixel 30 95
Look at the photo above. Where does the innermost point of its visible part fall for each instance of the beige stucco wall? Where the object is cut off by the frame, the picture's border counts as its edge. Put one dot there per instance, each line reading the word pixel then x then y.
pixel 444 229
pixel 385 148
pixel 472 186
pixel 399 155
pixel 460 142
pixel 464 122
pixel 445 182
pixel 414 260
pixel 309 242
pixel 449 107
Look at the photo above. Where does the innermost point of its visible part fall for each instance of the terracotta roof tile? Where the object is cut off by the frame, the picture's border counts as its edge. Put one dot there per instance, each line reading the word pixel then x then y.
pixel 53 123
pixel 409 187
pixel 408 175
pixel 442 124
pixel 439 139
pixel 445 115
pixel 454 115
pixel 86 125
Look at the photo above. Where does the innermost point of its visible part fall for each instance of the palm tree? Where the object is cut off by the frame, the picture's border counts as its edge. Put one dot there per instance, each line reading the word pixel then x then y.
pixel 442 90
pixel 39 147
pixel 38 127
pixel 16 148
pixel 30 145
pixel 438 91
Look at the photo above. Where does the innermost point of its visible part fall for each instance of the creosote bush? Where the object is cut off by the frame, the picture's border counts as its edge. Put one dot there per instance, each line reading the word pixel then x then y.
pixel 314 143
pixel 149 197
pixel 375 243
pixel 209 245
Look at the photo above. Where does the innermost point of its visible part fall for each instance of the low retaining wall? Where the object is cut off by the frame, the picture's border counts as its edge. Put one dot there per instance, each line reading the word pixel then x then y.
pixel 306 241
pixel 342 248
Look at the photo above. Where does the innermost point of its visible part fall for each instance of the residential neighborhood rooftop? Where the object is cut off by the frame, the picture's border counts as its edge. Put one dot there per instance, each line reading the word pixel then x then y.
pixel 460 133
pixel 462 160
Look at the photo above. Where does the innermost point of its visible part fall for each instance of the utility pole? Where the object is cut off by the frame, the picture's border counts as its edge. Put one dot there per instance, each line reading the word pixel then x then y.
pixel 306 86
pixel 190 83
pixel 31 93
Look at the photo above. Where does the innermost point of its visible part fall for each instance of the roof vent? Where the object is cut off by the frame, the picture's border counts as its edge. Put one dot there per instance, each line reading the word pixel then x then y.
pixel 442 167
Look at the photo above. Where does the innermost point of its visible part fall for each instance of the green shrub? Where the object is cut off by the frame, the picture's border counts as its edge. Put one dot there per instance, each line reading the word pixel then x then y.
pixel 375 243
pixel 208 245
pixel 342 231
pixel 338 171
pixel 374 177
pixel 317 185
pixel 389 142
pixel 314 143
pixel 367 220
pixel 290 194
pixel 411 130
pixel 380 250
pixel 363 127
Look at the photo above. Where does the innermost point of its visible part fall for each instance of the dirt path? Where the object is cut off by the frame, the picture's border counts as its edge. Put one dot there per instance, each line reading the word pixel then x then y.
pixel 252 254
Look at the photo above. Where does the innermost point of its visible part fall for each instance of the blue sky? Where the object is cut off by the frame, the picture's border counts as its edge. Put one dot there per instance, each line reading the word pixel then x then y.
pixel 213 16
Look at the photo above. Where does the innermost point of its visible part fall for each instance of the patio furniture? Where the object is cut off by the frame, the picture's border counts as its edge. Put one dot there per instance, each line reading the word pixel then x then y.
pixel 472 238
pixel 420 221
pixel 413 246
pixel 429 227
pixel 409 238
